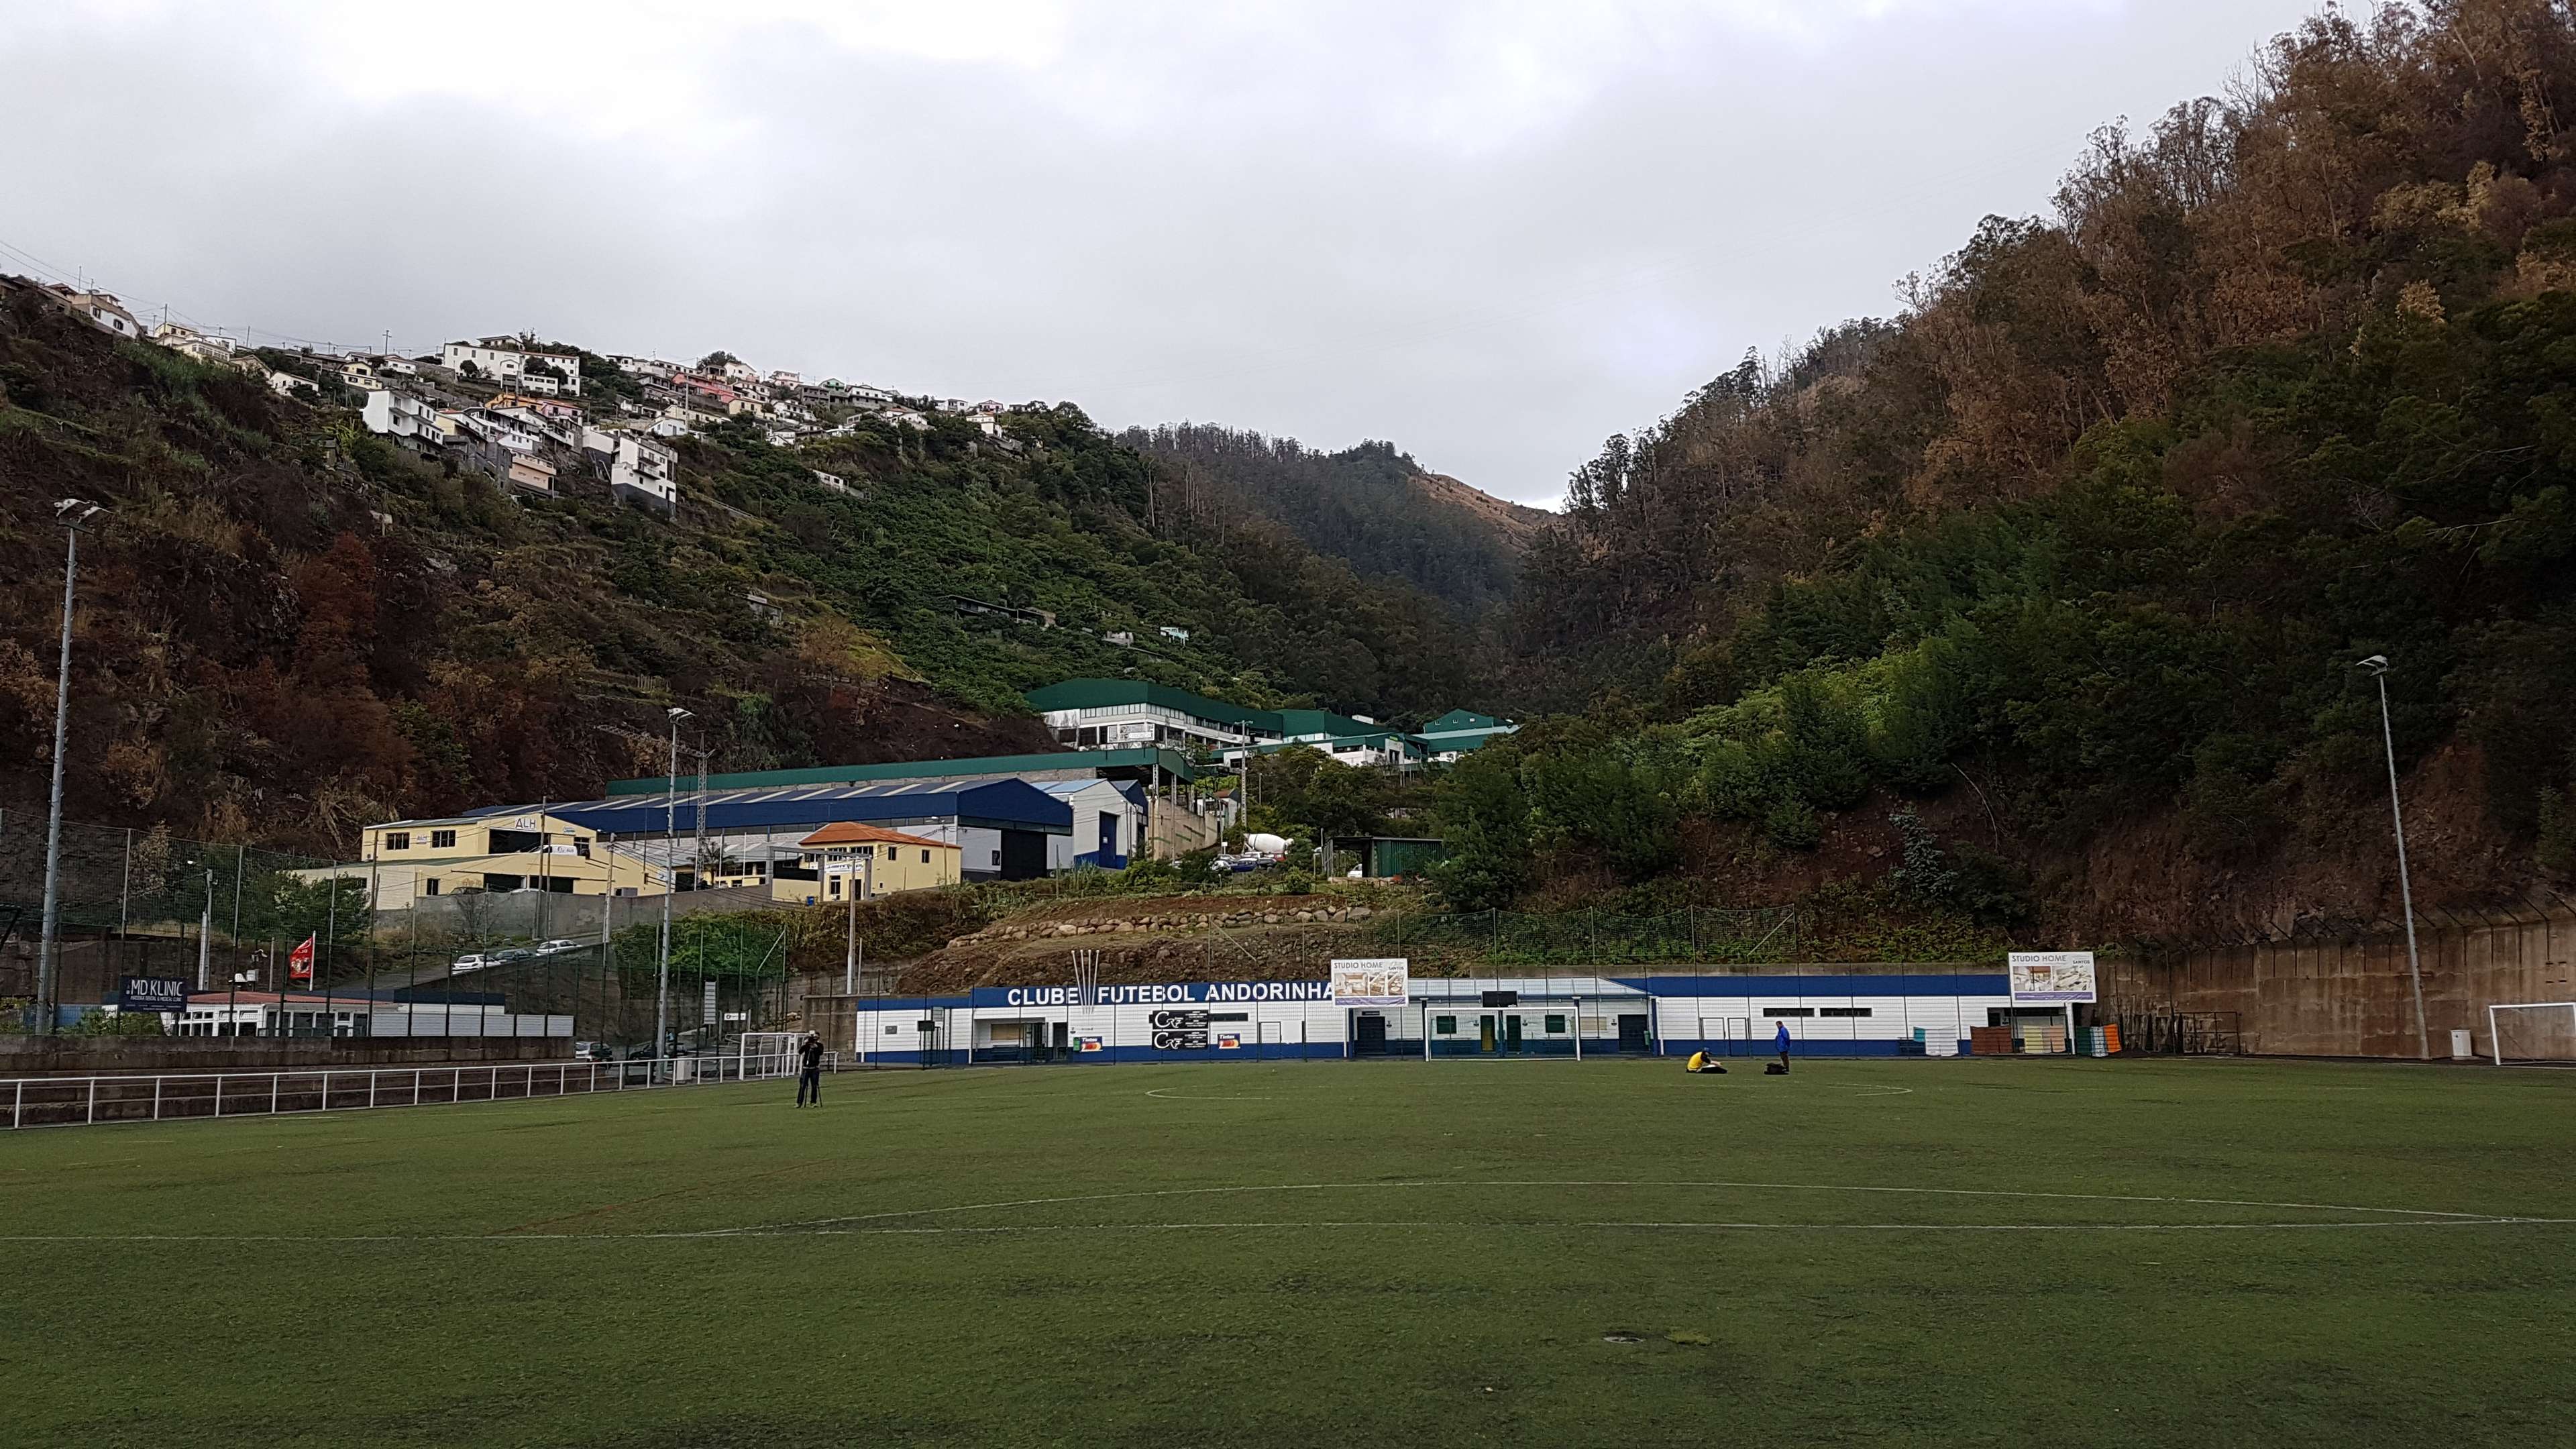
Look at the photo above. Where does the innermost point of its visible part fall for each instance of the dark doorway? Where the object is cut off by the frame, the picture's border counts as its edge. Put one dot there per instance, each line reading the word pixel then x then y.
pixel 1632 1033
pixel 1369 1036
pixel 1024 855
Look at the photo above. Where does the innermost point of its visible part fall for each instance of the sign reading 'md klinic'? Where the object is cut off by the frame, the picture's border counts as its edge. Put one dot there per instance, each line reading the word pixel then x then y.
pixel 153 993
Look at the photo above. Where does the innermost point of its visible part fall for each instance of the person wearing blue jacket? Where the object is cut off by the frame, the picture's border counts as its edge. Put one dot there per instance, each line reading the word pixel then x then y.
pixel 1780 1044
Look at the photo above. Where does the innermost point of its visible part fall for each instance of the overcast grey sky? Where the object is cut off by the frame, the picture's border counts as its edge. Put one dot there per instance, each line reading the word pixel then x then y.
pixel 1492 231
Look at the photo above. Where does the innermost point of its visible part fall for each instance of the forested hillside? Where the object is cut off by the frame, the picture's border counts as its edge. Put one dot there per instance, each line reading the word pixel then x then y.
pixel 288 626
pixel 1370 506
pixel 2067 566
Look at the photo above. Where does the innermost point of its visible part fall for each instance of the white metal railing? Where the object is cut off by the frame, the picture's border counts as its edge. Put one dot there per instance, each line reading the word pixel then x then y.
pixel 88 1101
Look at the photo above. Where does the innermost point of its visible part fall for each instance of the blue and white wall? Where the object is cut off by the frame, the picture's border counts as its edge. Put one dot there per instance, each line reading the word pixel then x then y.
pixel 1826 1015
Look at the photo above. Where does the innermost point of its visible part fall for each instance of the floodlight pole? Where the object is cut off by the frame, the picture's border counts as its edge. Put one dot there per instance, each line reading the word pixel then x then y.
pixel 71 513
pixel 2377 664
pixel 670 887
pixel 206 936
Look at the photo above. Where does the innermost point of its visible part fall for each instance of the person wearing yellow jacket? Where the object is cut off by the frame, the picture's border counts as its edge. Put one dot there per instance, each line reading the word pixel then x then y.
pixel 1702 1063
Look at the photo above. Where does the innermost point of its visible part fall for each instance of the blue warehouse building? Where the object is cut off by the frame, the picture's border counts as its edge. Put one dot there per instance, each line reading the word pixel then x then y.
pixel 1002 826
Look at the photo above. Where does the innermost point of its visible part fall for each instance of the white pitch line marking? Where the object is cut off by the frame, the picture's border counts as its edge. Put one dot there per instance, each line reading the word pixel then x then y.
pixel 889 1232
pixel 876 1223
pixel 1168 1095
pixel 1607 1182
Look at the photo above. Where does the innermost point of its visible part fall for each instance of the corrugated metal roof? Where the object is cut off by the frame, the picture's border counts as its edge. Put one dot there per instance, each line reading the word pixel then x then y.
pixel 1173 763
pixel 1008 804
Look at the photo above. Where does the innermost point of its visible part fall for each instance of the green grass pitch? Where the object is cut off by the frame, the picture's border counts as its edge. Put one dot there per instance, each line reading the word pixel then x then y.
pixel 2071 1252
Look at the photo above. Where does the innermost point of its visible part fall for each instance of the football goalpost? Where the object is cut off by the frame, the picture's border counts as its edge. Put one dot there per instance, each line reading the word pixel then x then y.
pixel 2532 1033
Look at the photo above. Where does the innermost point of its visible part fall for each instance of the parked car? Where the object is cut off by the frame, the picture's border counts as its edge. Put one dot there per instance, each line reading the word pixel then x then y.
pixel 513 954
pixel 559 945
pixel 474 962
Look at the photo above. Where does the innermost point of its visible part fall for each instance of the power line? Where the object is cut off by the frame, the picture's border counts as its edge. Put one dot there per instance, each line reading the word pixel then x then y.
pixel 53 272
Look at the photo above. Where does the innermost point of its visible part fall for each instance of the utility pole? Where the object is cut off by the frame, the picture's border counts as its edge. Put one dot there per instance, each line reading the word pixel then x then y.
pixel 2377 664
pixel 670 886
pixel 73 514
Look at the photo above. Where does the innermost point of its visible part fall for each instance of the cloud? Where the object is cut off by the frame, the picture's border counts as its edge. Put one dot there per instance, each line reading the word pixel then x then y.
pixel 1493 232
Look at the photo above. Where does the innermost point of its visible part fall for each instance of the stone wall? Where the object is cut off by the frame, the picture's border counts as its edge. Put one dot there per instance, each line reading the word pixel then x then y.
pixel 1276 914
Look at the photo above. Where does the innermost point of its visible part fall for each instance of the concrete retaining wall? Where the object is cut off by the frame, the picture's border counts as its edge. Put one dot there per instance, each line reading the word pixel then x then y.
pixel 2350 998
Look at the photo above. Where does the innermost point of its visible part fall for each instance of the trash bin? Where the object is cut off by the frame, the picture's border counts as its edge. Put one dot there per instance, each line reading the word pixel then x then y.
pixel 684 1070
pixel 2462 1046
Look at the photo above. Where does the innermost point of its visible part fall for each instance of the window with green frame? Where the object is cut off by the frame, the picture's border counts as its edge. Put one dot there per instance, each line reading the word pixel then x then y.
pixel 1445 1025
pixel 1556 1026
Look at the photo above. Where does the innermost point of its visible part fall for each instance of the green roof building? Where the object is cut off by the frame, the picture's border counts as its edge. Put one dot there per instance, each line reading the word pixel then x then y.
pixel 1458 731
pixel 1097 714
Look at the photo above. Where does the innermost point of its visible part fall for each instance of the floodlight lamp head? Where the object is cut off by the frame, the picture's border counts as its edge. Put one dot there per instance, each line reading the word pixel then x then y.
pixel 678 714
pixel 2376 664
pixel 73 512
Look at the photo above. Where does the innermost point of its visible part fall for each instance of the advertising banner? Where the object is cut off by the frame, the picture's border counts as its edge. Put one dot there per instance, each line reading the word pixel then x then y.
pixel 152 993
pixel 1189 993
pixel 2051 978
pixel 1180 1041
pixel 1381 981
pixel 1196 1020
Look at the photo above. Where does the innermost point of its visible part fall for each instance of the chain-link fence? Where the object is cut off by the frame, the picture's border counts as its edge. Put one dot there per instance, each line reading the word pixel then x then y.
pixel 148 903
pixel 229 921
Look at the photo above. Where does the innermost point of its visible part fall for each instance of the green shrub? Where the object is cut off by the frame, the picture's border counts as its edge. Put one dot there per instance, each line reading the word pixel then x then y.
pixel 2557 848
pixel 1792 824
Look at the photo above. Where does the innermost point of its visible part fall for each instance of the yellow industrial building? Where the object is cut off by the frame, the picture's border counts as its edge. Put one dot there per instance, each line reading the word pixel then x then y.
pixel 411 859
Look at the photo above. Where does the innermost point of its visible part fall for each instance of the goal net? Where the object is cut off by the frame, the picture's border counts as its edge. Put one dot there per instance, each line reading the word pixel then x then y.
pixel 2532 1032
pixel 768 1053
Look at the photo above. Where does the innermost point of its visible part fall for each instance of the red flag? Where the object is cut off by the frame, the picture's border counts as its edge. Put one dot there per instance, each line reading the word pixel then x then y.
pixel 299 963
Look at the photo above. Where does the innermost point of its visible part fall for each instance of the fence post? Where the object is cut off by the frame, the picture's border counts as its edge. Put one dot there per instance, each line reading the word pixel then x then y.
pixel 17 1104
pixel 371 1087
pixel 93 1103
pixel 156 1099
pixel 326 1089
pixel 272 1093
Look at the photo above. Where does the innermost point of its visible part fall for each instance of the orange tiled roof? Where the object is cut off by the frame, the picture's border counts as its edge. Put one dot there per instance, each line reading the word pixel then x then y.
pixel 844 832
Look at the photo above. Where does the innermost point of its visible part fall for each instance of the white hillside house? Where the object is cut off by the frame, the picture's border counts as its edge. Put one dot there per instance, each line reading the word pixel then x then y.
pixel 645 473
pixel 102 309
pixel 506 359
